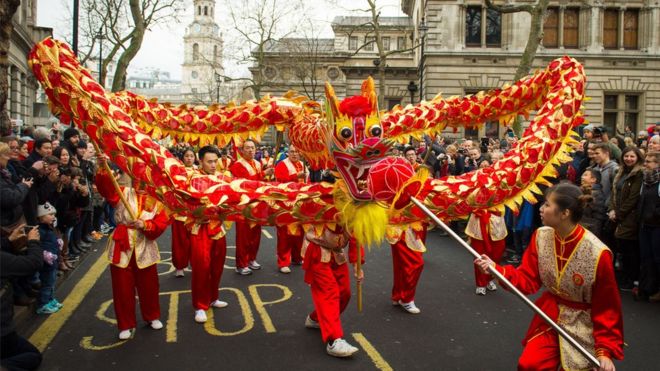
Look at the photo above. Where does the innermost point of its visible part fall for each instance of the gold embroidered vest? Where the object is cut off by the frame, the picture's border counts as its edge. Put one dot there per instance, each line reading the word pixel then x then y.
pixel 146 250
pixel 573 284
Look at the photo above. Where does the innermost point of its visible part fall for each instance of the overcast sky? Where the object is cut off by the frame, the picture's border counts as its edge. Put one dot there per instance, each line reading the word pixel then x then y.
pixel 163 46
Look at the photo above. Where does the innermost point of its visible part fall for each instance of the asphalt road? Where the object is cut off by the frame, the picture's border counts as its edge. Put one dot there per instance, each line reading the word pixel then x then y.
pixel 456 330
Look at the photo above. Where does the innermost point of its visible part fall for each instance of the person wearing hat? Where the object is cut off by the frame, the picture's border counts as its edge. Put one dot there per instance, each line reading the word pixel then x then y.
pixel 71 139
pixel 588 132
pixel 51 244
pixel 132 252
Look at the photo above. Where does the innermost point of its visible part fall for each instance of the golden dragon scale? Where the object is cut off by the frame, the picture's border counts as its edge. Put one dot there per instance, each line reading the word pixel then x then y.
pixel 124 126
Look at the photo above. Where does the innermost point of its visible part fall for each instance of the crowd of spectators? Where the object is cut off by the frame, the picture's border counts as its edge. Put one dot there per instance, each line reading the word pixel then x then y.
pixel 51 214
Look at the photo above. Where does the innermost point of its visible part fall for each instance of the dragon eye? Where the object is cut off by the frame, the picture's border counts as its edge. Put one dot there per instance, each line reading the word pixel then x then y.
pixel 346 133
pixel 375 131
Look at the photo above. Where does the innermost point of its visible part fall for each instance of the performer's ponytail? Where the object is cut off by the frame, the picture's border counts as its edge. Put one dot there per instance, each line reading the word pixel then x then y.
pixel 569 197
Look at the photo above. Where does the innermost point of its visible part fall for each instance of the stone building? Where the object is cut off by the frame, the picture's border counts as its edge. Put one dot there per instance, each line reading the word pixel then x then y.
pixel 456 53
pixel 202 61
pixel 23 105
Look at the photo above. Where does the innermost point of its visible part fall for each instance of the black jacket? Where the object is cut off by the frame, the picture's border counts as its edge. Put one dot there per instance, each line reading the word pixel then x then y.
pixel 14 266
pixel 11 198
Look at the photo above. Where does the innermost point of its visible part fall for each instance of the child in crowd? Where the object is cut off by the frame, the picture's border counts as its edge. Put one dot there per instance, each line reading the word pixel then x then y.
pixel 51 245
pixel 595 211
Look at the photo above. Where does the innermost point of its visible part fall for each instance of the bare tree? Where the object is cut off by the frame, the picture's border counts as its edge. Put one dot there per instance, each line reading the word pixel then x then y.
pixel 374 37
pixel 537 11
pixel 259 24
pixel 7 10
pixel 121 26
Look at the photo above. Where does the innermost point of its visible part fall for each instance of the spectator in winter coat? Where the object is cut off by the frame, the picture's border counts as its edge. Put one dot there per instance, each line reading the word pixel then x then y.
pixel 595 212
pixel 11 195
pixel 607 167
pixel 649 236
pixel 17 353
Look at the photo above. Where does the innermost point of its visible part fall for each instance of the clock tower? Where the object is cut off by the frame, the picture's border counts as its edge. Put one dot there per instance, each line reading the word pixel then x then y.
pixel 202 54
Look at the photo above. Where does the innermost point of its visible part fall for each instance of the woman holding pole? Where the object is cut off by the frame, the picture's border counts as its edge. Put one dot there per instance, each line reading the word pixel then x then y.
pixel 581 292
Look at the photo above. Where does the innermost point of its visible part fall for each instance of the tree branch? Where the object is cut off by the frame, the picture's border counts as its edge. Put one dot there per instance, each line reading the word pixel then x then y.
pixel 510 8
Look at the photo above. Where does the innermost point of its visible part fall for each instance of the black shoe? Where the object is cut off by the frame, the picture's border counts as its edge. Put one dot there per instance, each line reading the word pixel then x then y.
pixel 75 249
pixel 24 301
pixel 84 245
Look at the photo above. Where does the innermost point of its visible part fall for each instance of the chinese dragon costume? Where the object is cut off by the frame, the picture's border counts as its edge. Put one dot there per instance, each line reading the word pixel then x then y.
pixel 372 195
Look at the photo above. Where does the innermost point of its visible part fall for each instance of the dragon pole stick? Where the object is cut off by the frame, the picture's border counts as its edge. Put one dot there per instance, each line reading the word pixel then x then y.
pixel 115 184
pixel 510 286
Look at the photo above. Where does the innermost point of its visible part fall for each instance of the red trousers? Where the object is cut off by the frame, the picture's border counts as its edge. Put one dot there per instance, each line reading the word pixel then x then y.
pixel 407 265
pixel 247 243
pixel 287 246
pixel 208 261
pixel 180 245
pixel 541 353
pixel 494 250
pixel 331 291
pixel 125 281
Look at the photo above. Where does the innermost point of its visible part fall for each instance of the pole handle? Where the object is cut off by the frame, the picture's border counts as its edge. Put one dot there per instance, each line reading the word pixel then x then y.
pixel 115 184
pixel 510 286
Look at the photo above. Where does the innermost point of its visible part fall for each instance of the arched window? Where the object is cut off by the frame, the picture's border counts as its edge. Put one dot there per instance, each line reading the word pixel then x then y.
pixel 195 51
pixel 206 10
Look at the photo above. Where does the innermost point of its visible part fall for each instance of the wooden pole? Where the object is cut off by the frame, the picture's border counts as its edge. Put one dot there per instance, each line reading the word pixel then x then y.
pixel 114 183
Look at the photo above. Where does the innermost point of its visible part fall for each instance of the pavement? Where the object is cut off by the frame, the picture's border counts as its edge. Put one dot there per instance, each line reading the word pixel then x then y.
pixel 263 326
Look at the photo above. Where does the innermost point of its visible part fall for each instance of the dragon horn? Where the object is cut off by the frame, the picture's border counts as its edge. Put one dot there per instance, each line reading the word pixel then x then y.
pixel 331 97
pixel 368 90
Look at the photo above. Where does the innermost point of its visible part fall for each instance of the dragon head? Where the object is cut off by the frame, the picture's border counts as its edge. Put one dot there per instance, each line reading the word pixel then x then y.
pixel 356 142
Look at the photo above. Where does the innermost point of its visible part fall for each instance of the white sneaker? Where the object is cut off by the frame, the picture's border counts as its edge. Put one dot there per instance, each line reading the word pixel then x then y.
pixel 340 348
pixel 410 307
pixel 156 324
pixel 285 270
pixel 219 304
pixel 480 291
pixel 491 286
pixel 200 316
pixel 126 334
pixel 244 271
pixel 254 265
pixel 179 273
pixel 310 323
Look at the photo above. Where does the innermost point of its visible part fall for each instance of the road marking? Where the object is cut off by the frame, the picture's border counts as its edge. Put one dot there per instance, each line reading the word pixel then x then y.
pixel 268 235
pixel 172 318
pixel 209 325
pixel 259 304
pixel 54 323
pixel 378 360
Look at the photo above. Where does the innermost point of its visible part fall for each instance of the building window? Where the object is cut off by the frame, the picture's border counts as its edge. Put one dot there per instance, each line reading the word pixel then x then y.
pixel 621 110
pixel 630 27
pixel 551 28
pixel 195 52
pixel 206 11
pixel 610 28
pixel 561 27
pixel 386 43
pixel 369 42
pixel 480 34
pixel 392 102
pixel 199 10
pixel 400 43
pixel 352 42
pixel 621 35
pixel 215 53
pixel 194 74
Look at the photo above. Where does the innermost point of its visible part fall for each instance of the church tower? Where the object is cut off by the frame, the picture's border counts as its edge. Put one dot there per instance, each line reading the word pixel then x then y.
pixel 202 53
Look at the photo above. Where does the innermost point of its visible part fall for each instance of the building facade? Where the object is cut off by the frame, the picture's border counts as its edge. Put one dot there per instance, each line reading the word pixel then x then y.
pixel 618 42
pixel 25 106
pixel 455 52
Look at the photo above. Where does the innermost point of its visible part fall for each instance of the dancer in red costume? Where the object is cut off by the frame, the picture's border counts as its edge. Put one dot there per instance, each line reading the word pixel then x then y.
pixel 209 250
pixel 248 237
pixel 581 292
pixel 487 232
pixel 327 274
pixel 180 234
pixel 224 162
pixel 407 257
pixel 290 238
pixel 133 253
